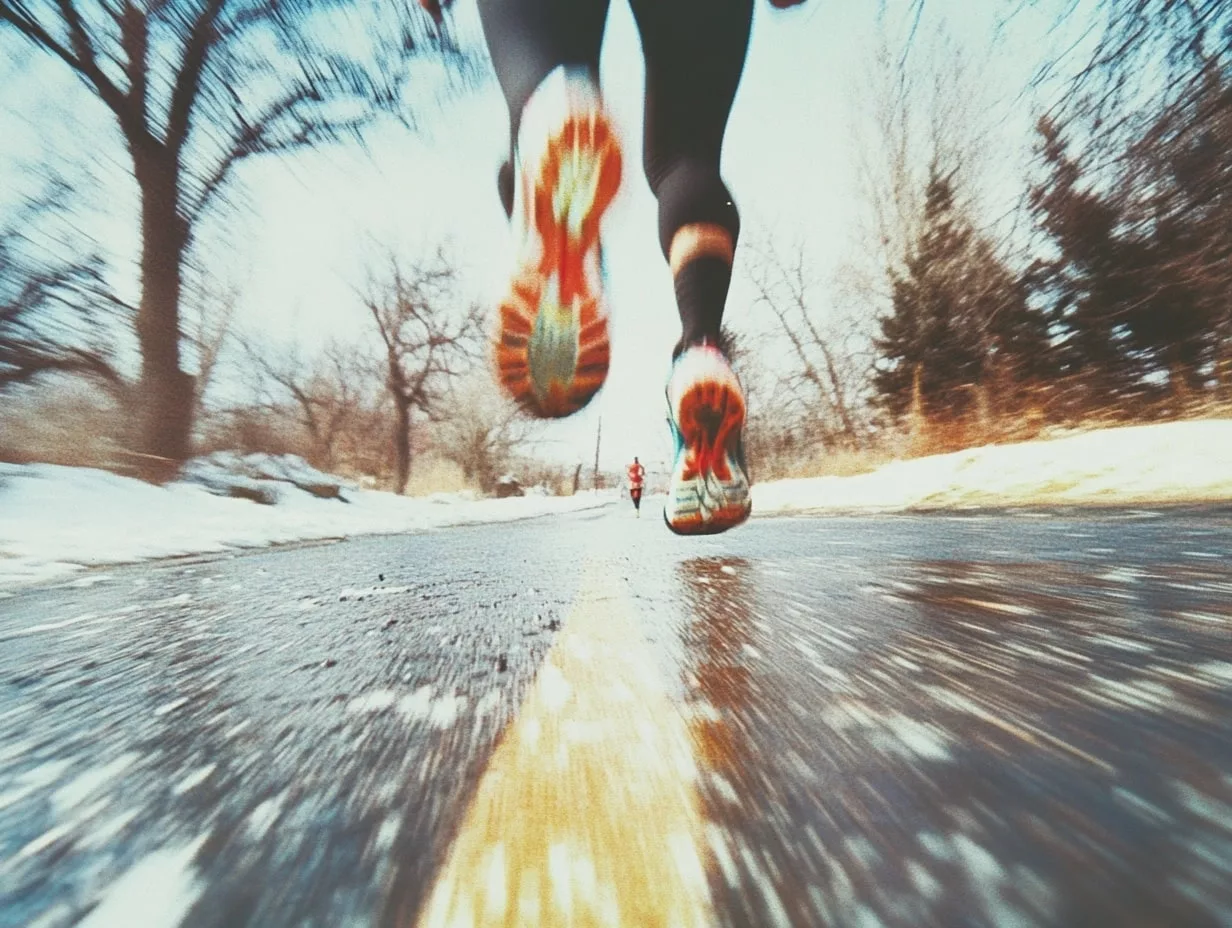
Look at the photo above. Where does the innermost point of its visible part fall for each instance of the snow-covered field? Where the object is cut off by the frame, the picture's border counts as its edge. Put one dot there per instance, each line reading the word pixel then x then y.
pixel 56 521
pixel 1173 462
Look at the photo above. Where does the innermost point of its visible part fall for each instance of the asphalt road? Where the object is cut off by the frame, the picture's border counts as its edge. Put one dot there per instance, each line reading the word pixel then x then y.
pixel 996 719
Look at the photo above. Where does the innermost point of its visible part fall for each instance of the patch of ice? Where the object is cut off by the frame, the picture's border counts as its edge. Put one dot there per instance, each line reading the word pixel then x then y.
pixel 418 705
pixel 51 626
pixel 1218 670
pixel 262 818
pixel 157 892
pixel 169 707
pixel 106 832
pixel 193 780
pixel 44 841
pixel 445 711
pixel 376 701
pixel 83 785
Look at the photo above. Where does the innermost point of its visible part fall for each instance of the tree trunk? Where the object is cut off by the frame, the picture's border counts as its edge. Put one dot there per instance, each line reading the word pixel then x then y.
pixel 1223 374
pixel 839 396
pixel 916 421
pixel 402 443
pixel 983 409
pixel 165 393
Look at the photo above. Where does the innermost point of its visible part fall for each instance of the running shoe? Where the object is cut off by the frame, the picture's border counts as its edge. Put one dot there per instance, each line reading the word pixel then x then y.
pixel 709 490
pixel 552 347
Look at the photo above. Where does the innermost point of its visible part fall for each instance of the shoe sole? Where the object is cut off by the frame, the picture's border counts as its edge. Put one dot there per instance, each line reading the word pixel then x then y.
pixel 552 348
pixel 710 418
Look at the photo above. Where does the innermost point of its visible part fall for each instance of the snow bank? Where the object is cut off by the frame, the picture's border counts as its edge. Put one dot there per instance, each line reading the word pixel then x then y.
pixel 58 520
pixel 262 478
pixel 1167 463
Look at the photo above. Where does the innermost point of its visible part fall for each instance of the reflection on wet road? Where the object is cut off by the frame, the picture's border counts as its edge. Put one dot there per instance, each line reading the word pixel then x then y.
pixel 1003 719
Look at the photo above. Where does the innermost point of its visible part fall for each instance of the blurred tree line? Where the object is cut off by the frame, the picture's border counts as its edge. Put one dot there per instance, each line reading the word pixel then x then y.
pixel 1123 306
pixel 192 89
pixel 1106 297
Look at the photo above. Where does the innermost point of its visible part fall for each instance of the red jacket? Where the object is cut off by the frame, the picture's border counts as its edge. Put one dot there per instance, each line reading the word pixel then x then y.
pixel 637 476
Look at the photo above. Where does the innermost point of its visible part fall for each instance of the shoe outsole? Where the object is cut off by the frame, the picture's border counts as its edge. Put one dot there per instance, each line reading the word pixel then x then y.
pixel 709 418
pixel 716 525
pixel 552 348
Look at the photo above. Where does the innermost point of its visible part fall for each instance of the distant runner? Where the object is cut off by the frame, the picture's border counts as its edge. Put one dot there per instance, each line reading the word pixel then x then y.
pixel 564 170
pixel 637 480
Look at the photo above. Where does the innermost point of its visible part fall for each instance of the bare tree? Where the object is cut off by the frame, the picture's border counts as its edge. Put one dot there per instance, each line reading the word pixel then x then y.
pixel 483 432
pixel 919 105
pixel 54 311
pixel 329 393
pixel 925 111
pixel 1142 135
pixel 428 340
pixel 1147 55
pixel 826 379
pixel 207 332
pixel 196 87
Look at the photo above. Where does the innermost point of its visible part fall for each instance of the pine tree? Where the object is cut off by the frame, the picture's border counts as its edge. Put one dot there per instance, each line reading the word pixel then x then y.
pixel 1139 282
pixel 959 319
pixel 1084 281
pixel 1135 204
pixel 1185 162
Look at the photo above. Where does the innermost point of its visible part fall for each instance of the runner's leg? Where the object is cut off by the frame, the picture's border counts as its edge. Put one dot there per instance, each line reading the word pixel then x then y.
pixel 528 40
pixel 695 52
pixel 551 346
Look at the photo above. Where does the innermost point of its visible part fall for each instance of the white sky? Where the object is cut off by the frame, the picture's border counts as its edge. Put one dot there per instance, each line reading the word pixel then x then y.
pixel 301 241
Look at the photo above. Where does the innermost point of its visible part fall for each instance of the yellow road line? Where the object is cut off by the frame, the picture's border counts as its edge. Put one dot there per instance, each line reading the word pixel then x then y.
pixel 588 813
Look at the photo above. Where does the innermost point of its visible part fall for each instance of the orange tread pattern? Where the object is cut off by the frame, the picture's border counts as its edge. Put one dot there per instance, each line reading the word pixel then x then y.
pixel 557 285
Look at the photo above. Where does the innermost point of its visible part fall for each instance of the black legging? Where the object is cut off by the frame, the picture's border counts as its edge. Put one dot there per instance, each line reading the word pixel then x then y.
pixel 694 52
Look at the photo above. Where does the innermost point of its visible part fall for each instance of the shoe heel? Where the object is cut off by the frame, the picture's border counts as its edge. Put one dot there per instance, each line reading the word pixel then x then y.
pixel 710 491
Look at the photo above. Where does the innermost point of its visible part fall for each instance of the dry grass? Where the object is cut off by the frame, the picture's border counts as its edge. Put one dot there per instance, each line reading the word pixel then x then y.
pixel 1214 409
pixel 840 463
pixel 921 438
pixel 67 422
pixel 431 474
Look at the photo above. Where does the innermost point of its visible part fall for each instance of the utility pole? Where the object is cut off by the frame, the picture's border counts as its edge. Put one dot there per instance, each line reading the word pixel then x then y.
pixel 598 437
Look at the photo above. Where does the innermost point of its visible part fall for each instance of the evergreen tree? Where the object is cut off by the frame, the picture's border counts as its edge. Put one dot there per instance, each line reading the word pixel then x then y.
pixel 959 319
pixel 1135 206
pixel 1083 282
pixel 1139 280
pixel 1185 162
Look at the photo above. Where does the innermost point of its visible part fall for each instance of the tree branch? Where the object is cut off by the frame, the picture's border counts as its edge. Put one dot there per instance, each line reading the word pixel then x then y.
pixel 188 80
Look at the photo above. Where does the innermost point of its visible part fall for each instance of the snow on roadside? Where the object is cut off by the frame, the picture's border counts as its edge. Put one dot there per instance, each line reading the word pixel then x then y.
pixel 1175 462
pixel 58 520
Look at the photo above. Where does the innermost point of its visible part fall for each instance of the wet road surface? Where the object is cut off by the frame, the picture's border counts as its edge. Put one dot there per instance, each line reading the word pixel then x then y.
pixel 998 719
